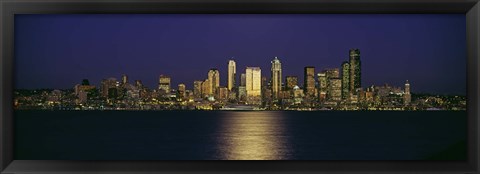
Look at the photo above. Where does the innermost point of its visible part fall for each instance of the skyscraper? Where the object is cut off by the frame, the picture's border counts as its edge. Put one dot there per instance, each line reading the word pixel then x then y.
pixel 253 76
pixel 309 81
pixel 243 80
pixel 407 98
pixel 355 70
pixel 232 70
pixel 206 88
pixel 197 88
pixel 322 86
pixel 276 77
pixel 334 89
pixel 345 80
pixel 164 84
pixel 214 79
pixel 181 90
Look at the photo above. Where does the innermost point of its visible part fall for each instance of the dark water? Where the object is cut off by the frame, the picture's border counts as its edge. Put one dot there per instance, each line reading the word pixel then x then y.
pixel 231 135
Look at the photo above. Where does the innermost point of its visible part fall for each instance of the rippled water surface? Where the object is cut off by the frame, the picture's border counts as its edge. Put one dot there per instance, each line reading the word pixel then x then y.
pixel 235 135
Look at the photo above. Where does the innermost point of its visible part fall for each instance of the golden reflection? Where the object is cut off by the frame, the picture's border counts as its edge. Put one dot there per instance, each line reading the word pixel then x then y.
pixel 253 136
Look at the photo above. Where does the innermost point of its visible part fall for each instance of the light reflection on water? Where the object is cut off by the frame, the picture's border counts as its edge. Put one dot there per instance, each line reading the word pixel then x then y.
pixel 253 136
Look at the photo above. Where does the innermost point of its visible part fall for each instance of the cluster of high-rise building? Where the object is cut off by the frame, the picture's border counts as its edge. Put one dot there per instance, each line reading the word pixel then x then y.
pixel 331 88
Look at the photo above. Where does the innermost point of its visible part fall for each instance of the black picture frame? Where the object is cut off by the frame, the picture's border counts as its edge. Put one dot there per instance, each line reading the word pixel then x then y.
pixel 8 9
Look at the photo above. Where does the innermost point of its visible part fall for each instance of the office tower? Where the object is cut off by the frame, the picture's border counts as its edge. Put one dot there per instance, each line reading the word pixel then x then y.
pixel 253 81
pixel 345 80
pixel 164 84
pixel 334 89
pixel 309 81
pixel 232 70
pixel 292 81
pixel 322 86
pixel 276 77
pixel 206 88
pixel 355 70
pixel 197 88
pixel 243 81
pixel 124 79
pixel 214 79
pixel 181 90
pixel 407 98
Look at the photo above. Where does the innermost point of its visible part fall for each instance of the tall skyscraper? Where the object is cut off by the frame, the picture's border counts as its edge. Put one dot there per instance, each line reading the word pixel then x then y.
pixel 309 81
pixel 214 79
pixel 253 79
pixel 243 80
pixel 322 86
pixel 164 84
pixel 355 70
pixel 292 81
pixel 407 98
pixel 232 70
pixel 206 88
pixel 276 77
pixel 197 88
pixel 345 80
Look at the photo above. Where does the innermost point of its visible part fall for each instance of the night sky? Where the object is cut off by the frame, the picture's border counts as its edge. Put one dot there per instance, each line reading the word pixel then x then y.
pixel 58 51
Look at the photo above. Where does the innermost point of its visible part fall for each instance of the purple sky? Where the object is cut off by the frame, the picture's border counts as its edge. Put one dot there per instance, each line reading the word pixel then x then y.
pixel 58 51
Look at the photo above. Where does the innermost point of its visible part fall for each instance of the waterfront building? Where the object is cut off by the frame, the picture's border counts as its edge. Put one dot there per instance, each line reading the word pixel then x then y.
pixel 108 84
pixel 232 70
pixel 276 79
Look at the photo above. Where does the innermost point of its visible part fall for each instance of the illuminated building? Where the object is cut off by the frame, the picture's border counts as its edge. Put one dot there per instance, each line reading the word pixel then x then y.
pixel 276 77
pixel 355 70
pixel 407 97
pixel 292 81
pixel 214 80
pixel 181 90
pixel 334 92
pixel 197 89
pixel 322 86
pixel 108 84
pixel 138 84
pixel 253 81
pixel 332 73
pixel 309 81
pixel 232 70
pixel 164 84
pixel 222 93
pixel 206 88
pixel 345 80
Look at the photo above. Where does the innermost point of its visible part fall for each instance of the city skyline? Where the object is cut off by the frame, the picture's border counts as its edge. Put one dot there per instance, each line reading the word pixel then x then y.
pixel 402 60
